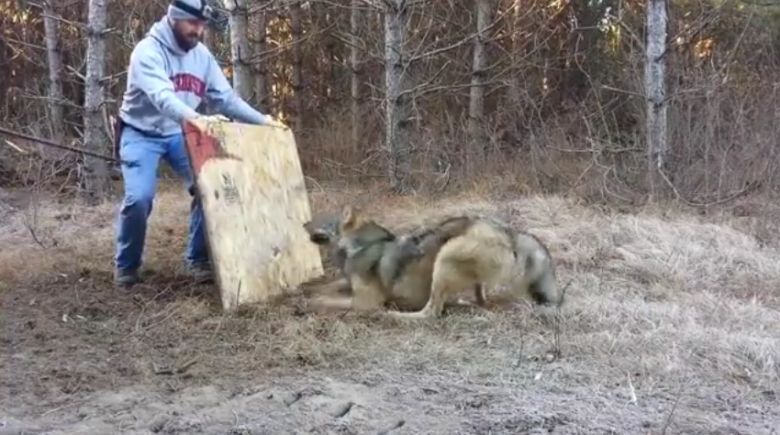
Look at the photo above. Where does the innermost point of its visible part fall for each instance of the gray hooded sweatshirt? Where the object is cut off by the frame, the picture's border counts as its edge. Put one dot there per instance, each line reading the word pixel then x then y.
pixel 165 84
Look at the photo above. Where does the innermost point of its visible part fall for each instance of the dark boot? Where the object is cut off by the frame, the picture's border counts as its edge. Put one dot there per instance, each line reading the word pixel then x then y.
pixel 126 278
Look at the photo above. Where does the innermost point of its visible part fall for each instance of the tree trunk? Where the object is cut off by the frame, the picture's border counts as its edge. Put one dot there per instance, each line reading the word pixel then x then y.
pixel 477 95
pixel 515 117
pixel 297 53
pixel 514 29
pixel 208 39
pixel 54 60
pixel 95 174
pixel 261 69
pixel 655 90
pixel 239 47
pixel 397 101
pixel 354 70
pixel 5 73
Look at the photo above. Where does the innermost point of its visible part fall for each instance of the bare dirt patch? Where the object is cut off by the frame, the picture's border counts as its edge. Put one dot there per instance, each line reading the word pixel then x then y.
pixel 671 324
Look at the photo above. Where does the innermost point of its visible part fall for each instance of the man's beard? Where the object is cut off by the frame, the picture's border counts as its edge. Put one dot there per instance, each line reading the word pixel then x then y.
pixel 186 43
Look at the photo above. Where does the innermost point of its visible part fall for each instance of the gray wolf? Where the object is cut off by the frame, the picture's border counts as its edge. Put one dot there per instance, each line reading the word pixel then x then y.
pixel 369 258
pixel 169 74
pixel 378 268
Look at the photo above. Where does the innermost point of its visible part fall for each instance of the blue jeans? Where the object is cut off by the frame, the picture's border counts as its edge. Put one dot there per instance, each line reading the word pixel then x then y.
pixel 140 181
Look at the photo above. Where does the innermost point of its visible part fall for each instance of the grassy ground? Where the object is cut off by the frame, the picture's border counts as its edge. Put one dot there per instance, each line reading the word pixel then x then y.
pixel 671 326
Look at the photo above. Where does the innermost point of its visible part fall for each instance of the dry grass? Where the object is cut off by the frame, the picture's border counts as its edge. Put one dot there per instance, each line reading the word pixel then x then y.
pixel 671 324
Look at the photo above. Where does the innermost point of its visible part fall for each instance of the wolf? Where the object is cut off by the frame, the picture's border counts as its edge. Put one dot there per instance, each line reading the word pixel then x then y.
pixel 421 271
pixel 485 254
pixel 372 250
pixel 380 268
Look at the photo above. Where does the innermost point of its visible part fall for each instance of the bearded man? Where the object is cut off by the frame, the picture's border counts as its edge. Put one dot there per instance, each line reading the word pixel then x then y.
pixel 170 73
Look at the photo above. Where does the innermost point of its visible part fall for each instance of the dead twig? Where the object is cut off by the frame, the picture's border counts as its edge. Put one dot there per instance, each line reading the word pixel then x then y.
pixel 747 189
pixel 397 425
pixel 558 321
pixel 631 389
pixel 296 396
pixel 342 410
pixel 35 238
pixel 186 365
pixel 671 412
pixel 60 146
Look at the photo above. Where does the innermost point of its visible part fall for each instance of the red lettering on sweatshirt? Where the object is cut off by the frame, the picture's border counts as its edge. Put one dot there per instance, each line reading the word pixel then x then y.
pixel 188 83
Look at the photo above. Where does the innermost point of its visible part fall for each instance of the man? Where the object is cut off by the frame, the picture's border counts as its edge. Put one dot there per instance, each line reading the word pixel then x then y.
pixel 170 72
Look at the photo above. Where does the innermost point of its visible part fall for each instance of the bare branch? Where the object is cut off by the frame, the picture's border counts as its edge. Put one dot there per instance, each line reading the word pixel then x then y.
pixel 459 43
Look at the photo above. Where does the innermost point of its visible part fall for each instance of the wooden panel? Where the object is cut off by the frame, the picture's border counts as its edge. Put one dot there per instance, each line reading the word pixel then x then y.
pixel 251 184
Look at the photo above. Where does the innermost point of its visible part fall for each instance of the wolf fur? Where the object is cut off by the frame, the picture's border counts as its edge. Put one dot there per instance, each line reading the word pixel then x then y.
pixel 374 249
pixel 421 271
pixel 486 255
pixel 381 269
pixel 323 231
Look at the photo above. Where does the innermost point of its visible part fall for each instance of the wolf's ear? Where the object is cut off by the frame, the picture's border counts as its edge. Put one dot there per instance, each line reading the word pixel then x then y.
pixel 349 216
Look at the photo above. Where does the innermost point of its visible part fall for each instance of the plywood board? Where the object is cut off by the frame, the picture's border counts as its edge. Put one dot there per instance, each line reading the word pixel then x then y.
pixel 251 185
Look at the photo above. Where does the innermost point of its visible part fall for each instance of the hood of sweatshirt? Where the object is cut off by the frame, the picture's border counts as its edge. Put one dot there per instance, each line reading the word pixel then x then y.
pixel 162 31
pixel 165 84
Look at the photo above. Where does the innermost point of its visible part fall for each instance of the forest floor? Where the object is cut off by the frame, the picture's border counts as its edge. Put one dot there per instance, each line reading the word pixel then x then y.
pixel 671 325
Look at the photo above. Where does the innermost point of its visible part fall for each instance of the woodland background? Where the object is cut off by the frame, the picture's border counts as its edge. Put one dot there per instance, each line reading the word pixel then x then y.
pixel 592 125
pixel 550 95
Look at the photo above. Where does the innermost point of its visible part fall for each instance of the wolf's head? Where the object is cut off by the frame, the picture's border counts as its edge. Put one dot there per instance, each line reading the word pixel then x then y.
pixel 357 230
pixel 409 248
pixel 327 228
pixel 323 230
pixel 353 220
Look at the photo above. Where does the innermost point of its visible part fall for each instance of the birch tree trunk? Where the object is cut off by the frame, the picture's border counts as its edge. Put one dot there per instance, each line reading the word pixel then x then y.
pixel 297 79
pixel 397 102
pixel 655 90
pixel 239 47
pixel 477 91
pixel 95 174
pixel 261 69
pixel 54 59
pixel 354 71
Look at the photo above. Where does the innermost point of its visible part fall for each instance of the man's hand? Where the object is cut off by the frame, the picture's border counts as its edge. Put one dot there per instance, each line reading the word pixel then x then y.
pixel 273 122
